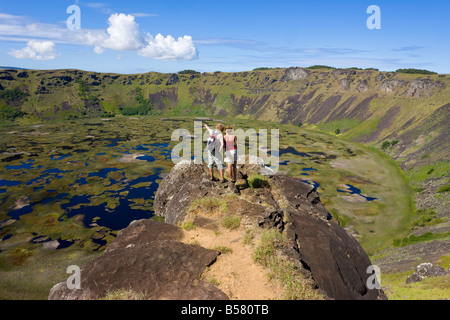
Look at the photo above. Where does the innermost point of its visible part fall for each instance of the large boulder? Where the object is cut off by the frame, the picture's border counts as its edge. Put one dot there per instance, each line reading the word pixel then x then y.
pixel 426 270
pixel 320 247
pixel 337 262
pixel 292 74
pixel 147 258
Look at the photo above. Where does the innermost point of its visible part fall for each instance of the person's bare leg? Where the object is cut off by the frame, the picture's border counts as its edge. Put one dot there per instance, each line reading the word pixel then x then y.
pixel 235 172
pixel 211 173
pixel 221 175
pixel 229 172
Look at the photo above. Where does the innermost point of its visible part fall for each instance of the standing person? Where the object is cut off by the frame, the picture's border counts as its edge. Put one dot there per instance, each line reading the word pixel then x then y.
pixel 231 153
pixel 215 149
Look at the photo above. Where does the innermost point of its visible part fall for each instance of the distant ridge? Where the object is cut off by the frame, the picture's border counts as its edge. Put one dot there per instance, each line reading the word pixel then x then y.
pixel 12 68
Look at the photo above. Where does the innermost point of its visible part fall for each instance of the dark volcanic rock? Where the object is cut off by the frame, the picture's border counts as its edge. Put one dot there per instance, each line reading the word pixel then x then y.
pixel 185 183
pixel 146 258
pixel 23 74
pixel 143 232
pixel 172 80
pixel 333 258
pixel 336 261
pixel 298 196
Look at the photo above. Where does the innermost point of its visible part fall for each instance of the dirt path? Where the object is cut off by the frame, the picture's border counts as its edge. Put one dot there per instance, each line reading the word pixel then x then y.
pixel 234 273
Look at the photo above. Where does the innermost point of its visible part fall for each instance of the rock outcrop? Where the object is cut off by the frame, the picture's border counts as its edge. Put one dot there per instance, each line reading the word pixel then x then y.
pixel 292 74
pixel 426 270
pixel 344 83
pixel 363 86
pixel 320 247
pixel 422 88
pixel 391 85
pixel 149 257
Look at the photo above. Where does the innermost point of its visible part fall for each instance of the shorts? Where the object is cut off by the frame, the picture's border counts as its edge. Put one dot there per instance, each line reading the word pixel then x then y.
pixel 215 159
pixel 231 156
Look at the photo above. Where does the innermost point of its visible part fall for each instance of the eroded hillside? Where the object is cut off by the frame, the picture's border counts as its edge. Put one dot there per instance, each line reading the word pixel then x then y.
pixel 365 105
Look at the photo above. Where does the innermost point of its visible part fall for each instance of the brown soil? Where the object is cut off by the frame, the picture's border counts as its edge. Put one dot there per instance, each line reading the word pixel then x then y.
pixel 234 273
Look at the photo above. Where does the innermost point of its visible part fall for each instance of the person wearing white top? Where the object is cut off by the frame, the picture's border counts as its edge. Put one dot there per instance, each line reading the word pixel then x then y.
pixel 215 156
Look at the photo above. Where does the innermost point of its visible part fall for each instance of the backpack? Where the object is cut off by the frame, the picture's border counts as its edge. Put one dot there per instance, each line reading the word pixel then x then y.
pixel 210 143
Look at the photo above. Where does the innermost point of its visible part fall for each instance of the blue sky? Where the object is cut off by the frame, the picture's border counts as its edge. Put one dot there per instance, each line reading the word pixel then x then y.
pixel 169 36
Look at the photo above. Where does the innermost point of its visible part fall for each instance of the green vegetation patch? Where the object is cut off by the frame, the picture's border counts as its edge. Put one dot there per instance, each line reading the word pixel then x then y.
pixel 412 239
pixel 223 249
pixel 318 66
pixel 443 189
pixel 189 225
pixel 386 144
pixel 258 181
pixel 10 113
pixel 209 205
pixel 422 173
pixel 426 217
pixel 12 95
pixel 188 71
pixel 230 222
pixel 431 288
pixel 415 71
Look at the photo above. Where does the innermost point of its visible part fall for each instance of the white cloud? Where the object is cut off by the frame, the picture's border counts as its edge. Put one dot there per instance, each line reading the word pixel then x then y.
pixel 36 50
pixel 123 33
pixel 98 50
pixel 167 48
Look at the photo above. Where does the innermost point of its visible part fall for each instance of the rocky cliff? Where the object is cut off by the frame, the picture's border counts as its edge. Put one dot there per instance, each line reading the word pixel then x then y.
pixel 148 256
